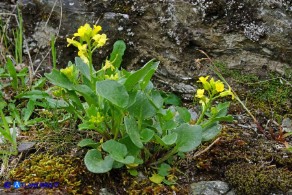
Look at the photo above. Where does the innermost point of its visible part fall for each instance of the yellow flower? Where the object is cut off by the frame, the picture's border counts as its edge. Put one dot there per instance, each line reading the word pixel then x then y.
pixel 58 91
pixel 73 42
pixel 203 79
pixel 68 71
pixel 112 77
pixel 96 119
pixel 82 48
pixel 108 65
pixel 226 93
pixel 82 53
pixel 84 59
pixel 99 40
pixel 200 93
pixel 205 83
pixel 84 32
pixel 96 30
pixel 219 86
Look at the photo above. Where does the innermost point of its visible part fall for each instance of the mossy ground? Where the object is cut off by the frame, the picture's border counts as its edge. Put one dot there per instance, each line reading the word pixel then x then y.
pixel 250 162
pixel 268 94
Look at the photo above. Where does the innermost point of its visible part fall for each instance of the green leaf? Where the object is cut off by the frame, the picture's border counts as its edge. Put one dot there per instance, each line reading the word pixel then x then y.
pixel 12 72
pixel 156 99
pixel 88 142
pixel 59 79
pixel 86 126
pixel 88 94
pixel 82 67
pixel 222 109
pixel 133 131
pixel 132 148
pixel 142 108
pixel 28 110
pixel 118 151
pixel 53 103
pixel 133 172
pixel 5 131
pixel 159 140
pixel 146 135
pixel 164 169
pixel 227 118
pixel 168 125
pixel 94 162
pixel 170 139
pixel 75 99
pixel 115 148
pixel 117 53
pixel 113 91
pixel 211 131
pixel 189 137
pixel 139 75
pixel 39 83
pixel 156 178
pixel 2 104
pixel 34 121
pixel 172 99
pixel 34 94
pixel 15 113
pixel 145 82
pixel 184 114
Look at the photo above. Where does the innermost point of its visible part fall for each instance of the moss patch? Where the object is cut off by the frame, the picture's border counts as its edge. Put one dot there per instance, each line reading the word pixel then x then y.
pixel 258 179
pixel 48 168
pixel 270 94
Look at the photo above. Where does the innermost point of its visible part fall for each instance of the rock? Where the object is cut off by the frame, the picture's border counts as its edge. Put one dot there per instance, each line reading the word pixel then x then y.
pixel 209 188
pixel 25 146
pixel 253 36
pixel 104 191
pixel 287 125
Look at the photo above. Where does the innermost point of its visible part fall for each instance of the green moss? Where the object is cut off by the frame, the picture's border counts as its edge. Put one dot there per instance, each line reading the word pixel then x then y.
pixel 256 179
pixel 272 92
pixel 48 168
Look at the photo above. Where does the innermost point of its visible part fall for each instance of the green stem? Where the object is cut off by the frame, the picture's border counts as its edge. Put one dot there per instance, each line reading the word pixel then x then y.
pixel 205 108
pixel 165 157
pixel 74 110
pixel 202 115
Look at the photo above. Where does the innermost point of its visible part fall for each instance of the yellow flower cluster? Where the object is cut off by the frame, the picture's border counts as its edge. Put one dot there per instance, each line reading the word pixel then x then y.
pixel 108 65
pixel 89 40
pixel 96 119
pixel 112 77
pixel 58 91
pixel 213 88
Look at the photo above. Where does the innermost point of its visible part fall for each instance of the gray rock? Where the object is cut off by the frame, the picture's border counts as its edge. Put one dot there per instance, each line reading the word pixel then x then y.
pixel 209 188
pixel 25 146
pixel 231 192
pixel 104 191
pixel 287 125
pixel 246 35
